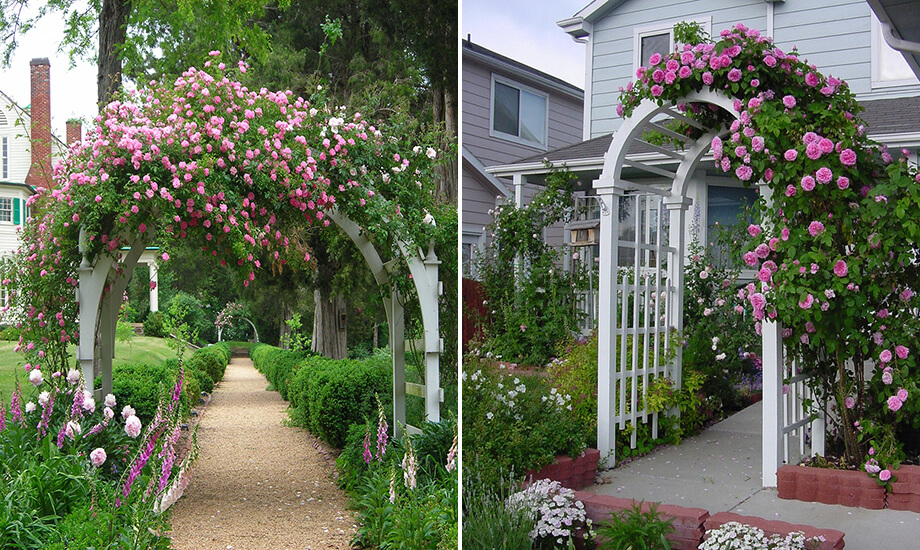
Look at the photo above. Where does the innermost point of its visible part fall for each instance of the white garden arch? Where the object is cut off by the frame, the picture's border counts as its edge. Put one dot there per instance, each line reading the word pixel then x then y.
pixel 641 305
pixel 103 279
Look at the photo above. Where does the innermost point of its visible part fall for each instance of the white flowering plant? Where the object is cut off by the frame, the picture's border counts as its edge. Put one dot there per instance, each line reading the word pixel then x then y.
pixel 556 513
pixel 738 536
pixel 515 421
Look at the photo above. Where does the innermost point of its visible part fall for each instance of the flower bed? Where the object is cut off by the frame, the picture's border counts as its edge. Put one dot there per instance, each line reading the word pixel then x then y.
pixel 828 486
pixel 574 473
pixel 687 522
pixel 833 539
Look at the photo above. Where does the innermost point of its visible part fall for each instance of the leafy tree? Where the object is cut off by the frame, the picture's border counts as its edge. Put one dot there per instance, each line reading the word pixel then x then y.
pixel 143 39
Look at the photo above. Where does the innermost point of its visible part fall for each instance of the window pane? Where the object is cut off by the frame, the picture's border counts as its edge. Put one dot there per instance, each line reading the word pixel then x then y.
pixel 505 109
pixel 725 204
pixel 533 117
pixel 5 159
pixel 656 43
pixel 6 210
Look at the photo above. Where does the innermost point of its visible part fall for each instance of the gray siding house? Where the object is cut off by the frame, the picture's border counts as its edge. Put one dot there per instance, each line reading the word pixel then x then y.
pixel 510 111
pixel 843 38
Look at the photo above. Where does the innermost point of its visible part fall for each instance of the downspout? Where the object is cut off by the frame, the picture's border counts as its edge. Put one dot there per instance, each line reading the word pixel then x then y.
pixel 770 11
pixel 897 43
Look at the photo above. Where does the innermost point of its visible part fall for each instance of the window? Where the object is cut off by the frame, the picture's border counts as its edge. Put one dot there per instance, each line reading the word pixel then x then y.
pixel 658 38
pixel 5 159
pixel 723 207
pixel 6 210
pixel 518 113
pixel 888 65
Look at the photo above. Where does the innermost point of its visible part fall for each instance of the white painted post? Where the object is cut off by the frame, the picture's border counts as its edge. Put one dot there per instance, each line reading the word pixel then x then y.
pixel 92 279
pixel 154 288
pixel 677 240
pixel 397 322
pixel 772 400
pixel 609 195
pixel 428 294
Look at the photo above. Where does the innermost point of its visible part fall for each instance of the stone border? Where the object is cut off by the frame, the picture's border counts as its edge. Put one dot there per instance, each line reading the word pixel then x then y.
pixel 851 488
pixel 574 473
pixel 691 524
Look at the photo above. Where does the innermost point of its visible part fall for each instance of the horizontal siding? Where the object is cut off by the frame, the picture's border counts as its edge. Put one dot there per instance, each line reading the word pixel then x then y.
pixel 477 201
pixel 564 125
pixel 833 35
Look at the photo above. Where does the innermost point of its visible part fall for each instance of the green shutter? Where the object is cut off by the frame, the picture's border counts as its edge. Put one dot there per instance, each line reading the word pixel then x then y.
pixel 16 211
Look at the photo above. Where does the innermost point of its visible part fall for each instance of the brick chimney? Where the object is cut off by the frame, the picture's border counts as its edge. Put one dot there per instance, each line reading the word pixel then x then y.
pixel 40 172
pixel 74 131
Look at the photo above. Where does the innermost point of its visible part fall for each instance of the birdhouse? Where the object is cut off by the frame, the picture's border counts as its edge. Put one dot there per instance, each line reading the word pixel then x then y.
pixel 583 232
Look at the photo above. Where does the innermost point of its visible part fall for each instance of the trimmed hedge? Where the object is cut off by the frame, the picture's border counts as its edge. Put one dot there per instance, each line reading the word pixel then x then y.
pixel 332 395
pixel 328 395
pixel 278 365
pixel 141 386
pixel 212 360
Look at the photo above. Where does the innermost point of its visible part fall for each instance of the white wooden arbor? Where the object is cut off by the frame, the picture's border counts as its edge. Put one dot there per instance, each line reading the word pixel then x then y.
pixel 639 309
pixel 104 273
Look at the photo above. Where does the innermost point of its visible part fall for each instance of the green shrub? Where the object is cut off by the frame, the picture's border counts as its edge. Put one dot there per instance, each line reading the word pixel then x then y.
pixel 278 365
pixel 635 529
pixel 212 360
pixel 153 325
pixel 331 395
pixel 10 334
pixel 515 422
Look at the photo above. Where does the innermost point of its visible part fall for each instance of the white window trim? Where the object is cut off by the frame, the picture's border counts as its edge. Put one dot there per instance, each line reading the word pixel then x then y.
pixel 661 28
pixel 509 137
pixel 5 158
pixel 10 222
pixel 877 43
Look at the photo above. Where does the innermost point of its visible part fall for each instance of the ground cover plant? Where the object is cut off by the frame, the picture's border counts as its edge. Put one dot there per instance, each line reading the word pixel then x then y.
pixel 836 253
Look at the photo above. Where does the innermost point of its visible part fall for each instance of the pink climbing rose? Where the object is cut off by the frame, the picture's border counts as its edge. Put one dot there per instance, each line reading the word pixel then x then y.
pixel 894 404
pixel 840 268
pixel 901 352
pixel 884 475
pixel 848 157
pixel 885 356
pixel 815 228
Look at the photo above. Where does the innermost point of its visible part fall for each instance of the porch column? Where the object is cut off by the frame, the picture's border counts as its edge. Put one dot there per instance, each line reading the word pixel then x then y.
pixel 677 240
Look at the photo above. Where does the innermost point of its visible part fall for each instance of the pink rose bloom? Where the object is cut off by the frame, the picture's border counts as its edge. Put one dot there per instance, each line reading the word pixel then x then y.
pixel 884 475
pixel 97 456
pixel 764 275
pixel 894 404
pixel 872 466
pixel 902 395
pixel 885 356
pixel 758 300
pixel 790 155
pixel 768 174
pixel 791 190
pixel 811 79
pixel 808 183
pixel 824 175
pixel 826 145
pixel 133 426
pixel 840 268
pixel 788 101
pixel 753 230
pixel 813 151
pixel 849 402
pixel 762 251
pixel 815 228
pixel 757 143
pixel 707 78
pixel 887 376
pixel 810 137
pixel 809 301
pixel 901 352
pixel 734 75
pixel 848 157
pixel 906 295
pixel 744 172
pixel 655 59
pixel 843 182
pixel 750 258
pixel 657 90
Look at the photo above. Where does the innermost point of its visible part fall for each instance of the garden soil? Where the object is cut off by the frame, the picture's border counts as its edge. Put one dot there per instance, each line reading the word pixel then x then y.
pixel 258 484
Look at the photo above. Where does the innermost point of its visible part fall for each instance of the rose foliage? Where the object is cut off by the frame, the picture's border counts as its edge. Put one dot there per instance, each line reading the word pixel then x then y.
pixel 837 252
pixel 241 172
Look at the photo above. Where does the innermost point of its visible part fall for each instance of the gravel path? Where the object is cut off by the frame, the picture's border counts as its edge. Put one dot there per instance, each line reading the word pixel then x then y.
pixel 258 484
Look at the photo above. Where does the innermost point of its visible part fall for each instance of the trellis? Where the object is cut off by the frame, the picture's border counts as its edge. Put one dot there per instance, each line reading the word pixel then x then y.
pixel 623 378
pixel 104 278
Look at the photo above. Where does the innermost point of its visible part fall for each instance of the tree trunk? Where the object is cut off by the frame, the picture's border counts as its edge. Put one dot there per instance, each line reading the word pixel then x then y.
pixel 329 328
pixel 113 24
pixel 284 331
pixel 444 111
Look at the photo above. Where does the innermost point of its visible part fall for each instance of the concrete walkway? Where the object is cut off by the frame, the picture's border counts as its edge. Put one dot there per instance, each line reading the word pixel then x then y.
pixel 720 470
pixel 258 484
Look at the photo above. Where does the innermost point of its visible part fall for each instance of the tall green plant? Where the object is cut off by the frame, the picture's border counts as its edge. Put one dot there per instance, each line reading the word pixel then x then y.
pixel 530 297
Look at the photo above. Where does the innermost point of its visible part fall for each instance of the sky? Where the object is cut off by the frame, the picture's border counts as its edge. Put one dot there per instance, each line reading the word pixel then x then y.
pixel 73 91
pixel 526 31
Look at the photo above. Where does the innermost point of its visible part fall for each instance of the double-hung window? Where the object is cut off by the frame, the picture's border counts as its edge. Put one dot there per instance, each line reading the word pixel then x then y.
pixel 657 38
pixel 6 209
pixel 4 157
pixel 519 113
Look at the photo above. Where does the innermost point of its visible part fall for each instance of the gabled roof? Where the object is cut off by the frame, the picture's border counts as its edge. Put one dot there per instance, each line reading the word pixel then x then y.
pixel 892 121
pixel 25 117
pixel 520 70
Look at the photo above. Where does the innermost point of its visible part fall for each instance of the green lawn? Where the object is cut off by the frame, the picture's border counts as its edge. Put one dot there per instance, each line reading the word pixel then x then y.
pixel 141 349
